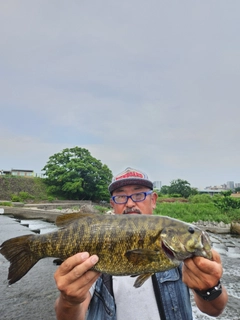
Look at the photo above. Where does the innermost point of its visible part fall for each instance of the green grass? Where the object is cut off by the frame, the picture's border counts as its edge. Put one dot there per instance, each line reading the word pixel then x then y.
pixel 192 212
pixel 6 204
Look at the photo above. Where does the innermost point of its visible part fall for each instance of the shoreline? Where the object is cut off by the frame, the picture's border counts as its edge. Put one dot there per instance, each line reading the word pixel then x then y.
pixel 48 213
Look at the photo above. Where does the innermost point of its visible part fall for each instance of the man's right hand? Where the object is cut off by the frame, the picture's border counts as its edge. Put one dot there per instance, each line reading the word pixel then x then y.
pixel 74 279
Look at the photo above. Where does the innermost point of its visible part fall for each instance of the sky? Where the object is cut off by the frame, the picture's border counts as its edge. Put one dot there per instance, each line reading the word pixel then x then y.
pixel 152 85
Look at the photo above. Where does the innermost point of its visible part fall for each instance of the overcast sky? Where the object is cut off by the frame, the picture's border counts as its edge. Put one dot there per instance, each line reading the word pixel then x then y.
pixel 154 85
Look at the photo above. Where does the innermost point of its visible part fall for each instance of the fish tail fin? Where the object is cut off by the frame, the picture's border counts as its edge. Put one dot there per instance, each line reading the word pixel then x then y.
pixel 18 253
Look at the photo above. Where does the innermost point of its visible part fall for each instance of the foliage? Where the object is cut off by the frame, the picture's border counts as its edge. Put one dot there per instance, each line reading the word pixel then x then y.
pixel 22 196
pixel 75 174
pixel 6 204
pixel 101 209
pixel 194 191
pixel 181 187
pixel 191 212
pixel 225 203
pixel 50 198
pixel 164 189
pixel 237 189
pixel 200 198
pixel 15 198
pixel 25 196
pixel 226 193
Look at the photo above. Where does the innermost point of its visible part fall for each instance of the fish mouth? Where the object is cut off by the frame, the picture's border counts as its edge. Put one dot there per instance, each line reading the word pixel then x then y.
pixel 175 256
pixel 170 254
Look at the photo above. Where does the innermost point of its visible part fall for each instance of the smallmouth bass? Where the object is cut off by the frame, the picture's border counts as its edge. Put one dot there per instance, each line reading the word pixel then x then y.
pixel 125 244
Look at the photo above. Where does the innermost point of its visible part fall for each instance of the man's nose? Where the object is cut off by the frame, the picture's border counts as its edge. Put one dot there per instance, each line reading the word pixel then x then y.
pixel 130 203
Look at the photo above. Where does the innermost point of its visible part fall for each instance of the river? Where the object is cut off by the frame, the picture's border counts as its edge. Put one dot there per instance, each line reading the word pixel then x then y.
pixel 37 290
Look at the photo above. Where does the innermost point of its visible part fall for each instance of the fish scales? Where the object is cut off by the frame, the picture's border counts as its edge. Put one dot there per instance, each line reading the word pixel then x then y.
pixel 125 244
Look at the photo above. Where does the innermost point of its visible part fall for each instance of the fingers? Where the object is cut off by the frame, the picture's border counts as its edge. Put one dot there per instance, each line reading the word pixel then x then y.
pixel 78 264
pixel 200 273
pixel 74 277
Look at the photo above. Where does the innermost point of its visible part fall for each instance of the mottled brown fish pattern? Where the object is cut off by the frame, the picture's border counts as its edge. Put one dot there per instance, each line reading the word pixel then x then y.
pixel 125 244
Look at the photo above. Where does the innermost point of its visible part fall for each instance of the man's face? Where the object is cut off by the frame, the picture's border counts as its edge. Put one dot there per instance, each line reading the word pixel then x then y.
pixel 144 207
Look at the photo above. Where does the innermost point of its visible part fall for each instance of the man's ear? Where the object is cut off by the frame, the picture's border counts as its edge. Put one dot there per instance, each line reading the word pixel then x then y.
pixel 111 203
pixel 154 199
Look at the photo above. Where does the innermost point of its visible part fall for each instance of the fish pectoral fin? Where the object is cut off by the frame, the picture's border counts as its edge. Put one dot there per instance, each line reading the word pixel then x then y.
pixel 142 256
pixel 141 279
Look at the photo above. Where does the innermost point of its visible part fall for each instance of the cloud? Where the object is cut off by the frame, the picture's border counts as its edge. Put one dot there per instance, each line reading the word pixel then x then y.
pixel 152 85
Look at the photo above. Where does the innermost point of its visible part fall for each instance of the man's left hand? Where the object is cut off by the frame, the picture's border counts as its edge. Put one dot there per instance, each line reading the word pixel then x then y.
pixel 200 273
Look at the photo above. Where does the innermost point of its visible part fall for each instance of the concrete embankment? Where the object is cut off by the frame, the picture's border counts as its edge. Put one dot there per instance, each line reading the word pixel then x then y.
pixel 46 211
pixel 24 213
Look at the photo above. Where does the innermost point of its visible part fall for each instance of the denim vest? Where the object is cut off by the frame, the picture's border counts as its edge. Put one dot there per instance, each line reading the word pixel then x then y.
pixel 174 293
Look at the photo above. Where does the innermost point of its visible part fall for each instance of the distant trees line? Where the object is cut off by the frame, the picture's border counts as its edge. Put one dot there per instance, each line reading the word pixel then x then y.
pixel 75 174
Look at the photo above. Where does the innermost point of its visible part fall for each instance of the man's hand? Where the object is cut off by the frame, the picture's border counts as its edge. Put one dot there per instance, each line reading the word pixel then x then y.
pixel 200 273
pixel 74 279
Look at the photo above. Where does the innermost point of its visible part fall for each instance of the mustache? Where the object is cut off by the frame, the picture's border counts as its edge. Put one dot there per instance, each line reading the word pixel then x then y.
pixel 129 210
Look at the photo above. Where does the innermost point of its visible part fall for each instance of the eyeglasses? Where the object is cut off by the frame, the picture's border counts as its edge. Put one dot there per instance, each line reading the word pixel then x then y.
pixel 136 197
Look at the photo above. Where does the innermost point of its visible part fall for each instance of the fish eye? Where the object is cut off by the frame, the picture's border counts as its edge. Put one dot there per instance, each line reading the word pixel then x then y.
pixel 191 230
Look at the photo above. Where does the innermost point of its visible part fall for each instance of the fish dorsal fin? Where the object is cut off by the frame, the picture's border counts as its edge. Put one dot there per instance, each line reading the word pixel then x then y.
pixel 142 256
pixel 68 218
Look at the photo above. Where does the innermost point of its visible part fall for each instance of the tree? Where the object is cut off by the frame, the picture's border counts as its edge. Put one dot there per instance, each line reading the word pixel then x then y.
pixel 181 187
pixel 75 174
pixel 164 189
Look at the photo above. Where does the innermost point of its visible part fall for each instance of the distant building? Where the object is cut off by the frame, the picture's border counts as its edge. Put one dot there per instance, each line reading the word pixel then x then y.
pixel 237 185
pixel 157 185
pixel 18 172
pixel 230 185
pixel 211 192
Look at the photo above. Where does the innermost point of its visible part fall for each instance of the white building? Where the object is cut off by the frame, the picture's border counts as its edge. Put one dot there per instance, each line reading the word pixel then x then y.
pixel 157 185
pixel 230 185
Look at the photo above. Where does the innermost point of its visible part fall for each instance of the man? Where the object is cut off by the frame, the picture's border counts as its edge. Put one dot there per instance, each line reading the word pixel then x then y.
pixel 85 294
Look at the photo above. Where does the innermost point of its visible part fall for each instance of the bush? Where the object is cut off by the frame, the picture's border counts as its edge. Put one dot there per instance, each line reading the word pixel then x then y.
pixel 25 196
pixel 22 196
pixel 15 198
pixel 226 203
pixel 50 198
pixel 200 198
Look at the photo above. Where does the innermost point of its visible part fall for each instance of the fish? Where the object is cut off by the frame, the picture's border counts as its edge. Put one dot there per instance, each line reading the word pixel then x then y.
pixel 134 245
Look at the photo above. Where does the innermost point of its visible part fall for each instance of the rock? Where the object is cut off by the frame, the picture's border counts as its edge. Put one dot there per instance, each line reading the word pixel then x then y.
pixel 235 228
pixel 211 226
